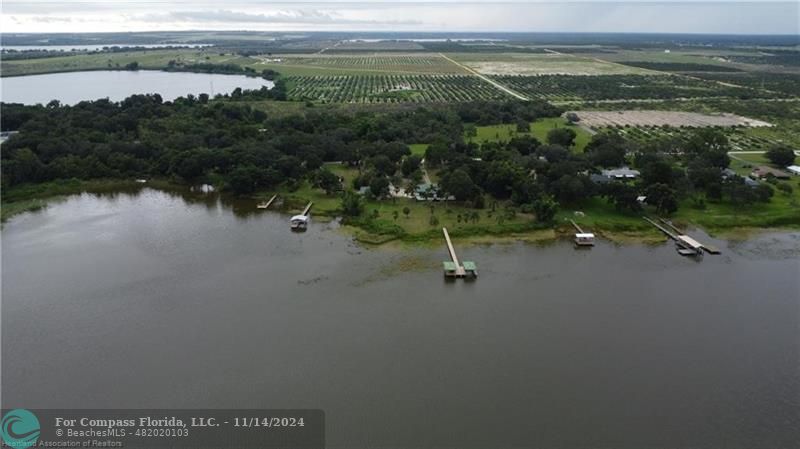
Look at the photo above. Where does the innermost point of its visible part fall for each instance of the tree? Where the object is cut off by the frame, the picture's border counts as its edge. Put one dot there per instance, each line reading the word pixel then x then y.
pixel 622 196
pixel 459 184
pixel 545 208
pixel 523 126
pixel 607 149
pixel 780 155
pixel 352 205
pixel 242 180
pixel 327 181
pixel 561 136
pixel 379 186
pixel 132 66
pixel 571 188
pixel 410 165
pixel 406 211
pixel 663 197
pixel 572 117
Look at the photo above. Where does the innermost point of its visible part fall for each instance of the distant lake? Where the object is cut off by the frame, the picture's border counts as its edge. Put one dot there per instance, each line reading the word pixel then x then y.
pixel 73 87
pixel 94 47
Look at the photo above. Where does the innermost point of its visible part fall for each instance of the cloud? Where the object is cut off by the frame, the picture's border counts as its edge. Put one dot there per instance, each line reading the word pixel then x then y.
pixel 307 17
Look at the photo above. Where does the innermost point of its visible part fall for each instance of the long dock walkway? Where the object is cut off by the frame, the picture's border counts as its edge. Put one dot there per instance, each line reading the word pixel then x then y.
pixel 455 268
pixel 662 229
pixel 307 209
pixel 707 248
pixel 687 245
pixel 268 203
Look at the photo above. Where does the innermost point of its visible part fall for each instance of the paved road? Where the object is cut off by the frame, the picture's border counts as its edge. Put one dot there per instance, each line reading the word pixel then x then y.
pixel 488 80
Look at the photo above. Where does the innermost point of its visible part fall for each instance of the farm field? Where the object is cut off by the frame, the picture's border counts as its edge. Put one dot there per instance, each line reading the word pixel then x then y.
pixel 541 64
pixel 739 139
pixel 324 64
pixel 147 59
pixel 599 119
pixel 620 87
pixel 391 89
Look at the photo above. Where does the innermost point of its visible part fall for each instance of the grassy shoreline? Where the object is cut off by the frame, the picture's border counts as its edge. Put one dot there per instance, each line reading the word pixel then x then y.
pixel 417 229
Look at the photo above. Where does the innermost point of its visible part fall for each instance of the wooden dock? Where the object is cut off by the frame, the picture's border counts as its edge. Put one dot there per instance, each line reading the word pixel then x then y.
pixel 707 248
pixel 454 268
pixel 585 239
pixel 300 222
pixel 268 203
pixel 686 245
pixel 662 229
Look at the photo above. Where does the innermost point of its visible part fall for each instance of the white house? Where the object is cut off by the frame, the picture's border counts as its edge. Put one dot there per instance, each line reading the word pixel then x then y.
pixel 794 169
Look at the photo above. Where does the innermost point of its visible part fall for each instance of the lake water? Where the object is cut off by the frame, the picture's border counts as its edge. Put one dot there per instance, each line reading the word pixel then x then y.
pixel 74 87
pixel 151 299
pixel 94 47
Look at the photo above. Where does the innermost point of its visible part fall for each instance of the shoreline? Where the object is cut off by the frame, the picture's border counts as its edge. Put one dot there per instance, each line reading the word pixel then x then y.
pixel 31 198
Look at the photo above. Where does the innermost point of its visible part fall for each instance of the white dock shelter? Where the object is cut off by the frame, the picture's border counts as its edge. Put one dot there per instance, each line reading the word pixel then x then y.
pixel 584 239
pixel 299 221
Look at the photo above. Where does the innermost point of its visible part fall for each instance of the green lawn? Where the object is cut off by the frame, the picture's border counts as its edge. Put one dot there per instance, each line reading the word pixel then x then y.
pixel 418 148
pixel 539 129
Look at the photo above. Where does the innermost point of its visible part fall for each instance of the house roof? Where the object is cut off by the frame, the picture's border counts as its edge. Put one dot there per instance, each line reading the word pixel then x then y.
pixel 794 168
pixel 622 172
pixel 300 218
pixel 764 170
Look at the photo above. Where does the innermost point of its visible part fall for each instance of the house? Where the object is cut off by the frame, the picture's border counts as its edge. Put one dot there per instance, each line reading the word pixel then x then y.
pixel 763 171
pixel 430 192
pixel 729 173
pixel 794 169
pixel 621 173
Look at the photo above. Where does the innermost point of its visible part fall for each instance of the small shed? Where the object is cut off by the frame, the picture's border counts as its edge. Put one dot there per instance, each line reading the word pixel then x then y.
pixel 299 221
pixel 584 239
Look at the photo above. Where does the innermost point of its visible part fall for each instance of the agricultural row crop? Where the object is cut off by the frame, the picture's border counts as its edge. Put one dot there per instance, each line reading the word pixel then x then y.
pixel 739 140
pixel 400 63
pixel 621 87
pixel 391 89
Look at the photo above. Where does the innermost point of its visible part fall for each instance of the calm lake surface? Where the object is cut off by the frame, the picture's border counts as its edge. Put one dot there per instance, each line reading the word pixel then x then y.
pixel 152 299
pixel 74 87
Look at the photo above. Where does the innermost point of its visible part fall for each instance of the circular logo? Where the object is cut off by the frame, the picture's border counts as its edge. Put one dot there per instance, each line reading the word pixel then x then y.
pixel 20 428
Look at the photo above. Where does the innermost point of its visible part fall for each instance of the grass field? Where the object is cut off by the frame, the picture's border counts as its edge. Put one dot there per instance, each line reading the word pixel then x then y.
pixel 148 59
pixel 418 148
pixel 539 129
pixel 541 64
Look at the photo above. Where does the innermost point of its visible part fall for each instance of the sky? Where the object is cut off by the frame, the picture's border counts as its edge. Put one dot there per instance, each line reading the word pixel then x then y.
pixel 651 16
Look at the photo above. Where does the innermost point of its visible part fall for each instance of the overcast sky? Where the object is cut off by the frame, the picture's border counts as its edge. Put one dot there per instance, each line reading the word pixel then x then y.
pixel 754 17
